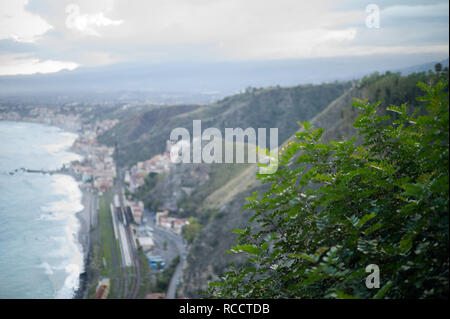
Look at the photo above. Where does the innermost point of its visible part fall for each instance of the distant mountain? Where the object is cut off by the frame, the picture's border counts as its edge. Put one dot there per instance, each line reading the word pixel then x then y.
pixel 197 82
pixel 422 67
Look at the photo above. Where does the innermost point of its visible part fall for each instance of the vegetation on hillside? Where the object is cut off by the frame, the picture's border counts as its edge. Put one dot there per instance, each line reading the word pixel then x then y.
pixel 206 260
pixel 144 134
pixel 144 191
pixel 191 230
pixel 335 208
pixel 164 277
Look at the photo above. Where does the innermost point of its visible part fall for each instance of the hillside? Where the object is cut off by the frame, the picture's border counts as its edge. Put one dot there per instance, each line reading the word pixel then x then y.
pixel 215 193
pixel 141 136
pixel 333 208
pixel 207 259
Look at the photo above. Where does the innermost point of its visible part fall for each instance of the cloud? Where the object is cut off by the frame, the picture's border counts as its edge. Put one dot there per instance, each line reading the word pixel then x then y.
pixel 18 24
pixel 416 11
pixel 23 64
pixel 107 31
pixel 297 44
pixel 86 23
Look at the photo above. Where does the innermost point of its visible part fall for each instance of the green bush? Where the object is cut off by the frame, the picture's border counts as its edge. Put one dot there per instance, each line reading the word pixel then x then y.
pixel 191 230
pixel 163 278
pixel 335 208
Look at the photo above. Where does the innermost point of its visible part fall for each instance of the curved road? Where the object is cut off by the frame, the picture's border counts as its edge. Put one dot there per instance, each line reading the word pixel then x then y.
pixel 171 291
pixel 163 235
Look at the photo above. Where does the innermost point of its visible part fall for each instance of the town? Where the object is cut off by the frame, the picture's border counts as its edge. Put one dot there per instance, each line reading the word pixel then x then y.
pixel 136 229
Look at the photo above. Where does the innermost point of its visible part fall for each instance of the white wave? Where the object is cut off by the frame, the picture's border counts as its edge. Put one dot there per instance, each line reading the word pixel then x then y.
pixel 66 185
pixel 71 283
pixel 60 148
pixel 64 144
pixel 61 209
pixel 70 249
pixel 73 265
pixel 67 157
pixel 48 269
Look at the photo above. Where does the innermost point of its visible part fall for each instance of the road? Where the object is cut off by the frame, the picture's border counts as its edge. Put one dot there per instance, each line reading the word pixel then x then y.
pixel 175 246
pixel 173 285
pixel 176 277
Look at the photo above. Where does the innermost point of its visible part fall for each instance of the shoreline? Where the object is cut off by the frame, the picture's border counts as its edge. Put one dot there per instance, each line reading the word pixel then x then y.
pixel 84 216
pixel 83 235
pixel 60 126
pixel 84 220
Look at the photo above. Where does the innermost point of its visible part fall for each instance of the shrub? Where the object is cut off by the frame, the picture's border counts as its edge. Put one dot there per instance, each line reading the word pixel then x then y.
pixel 335 208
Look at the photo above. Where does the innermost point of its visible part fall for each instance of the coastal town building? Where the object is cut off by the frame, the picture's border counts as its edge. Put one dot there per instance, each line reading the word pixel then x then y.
pixel 160 163
pixel 170 223
pixel 97 170
pixel 174 224
pixel 160 215
pixel 137 210
pixel 146 243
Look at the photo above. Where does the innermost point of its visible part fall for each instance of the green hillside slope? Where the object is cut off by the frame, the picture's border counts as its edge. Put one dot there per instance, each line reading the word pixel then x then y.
pixel 207 259
pixel 141 136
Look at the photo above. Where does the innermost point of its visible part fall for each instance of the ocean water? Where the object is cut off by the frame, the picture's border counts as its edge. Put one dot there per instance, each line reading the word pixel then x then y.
pixel 40 256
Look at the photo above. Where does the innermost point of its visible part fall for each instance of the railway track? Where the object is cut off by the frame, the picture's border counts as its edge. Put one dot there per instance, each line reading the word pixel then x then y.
pixel 133 291
pixel 136 279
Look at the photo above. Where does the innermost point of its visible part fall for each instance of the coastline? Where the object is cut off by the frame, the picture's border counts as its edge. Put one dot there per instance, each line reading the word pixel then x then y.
pixel 85 217
pixel 83 240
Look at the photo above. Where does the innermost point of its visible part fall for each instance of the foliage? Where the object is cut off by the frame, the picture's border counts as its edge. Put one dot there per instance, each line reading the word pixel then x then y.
pixel 335 208
pixel 191 230
pixel 143 192
pixel 143 135
pixel 163 278
pixel 217 176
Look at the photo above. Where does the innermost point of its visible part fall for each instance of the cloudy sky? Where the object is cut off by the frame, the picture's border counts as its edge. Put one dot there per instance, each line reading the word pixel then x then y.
pixel 49 35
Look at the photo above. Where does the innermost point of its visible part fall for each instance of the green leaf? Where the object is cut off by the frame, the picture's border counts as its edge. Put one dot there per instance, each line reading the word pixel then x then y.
pixel 311 258
pixel 413 189
pixel 365 219
pixel 383 290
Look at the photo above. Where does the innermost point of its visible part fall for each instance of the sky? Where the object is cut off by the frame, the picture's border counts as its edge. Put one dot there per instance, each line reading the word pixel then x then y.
pixel 47 35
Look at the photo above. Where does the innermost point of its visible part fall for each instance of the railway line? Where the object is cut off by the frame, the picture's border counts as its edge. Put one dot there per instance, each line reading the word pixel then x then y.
pixel 130 256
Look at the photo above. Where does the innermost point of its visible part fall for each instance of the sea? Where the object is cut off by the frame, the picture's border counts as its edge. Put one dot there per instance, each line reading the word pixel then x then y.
pixel 40 256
